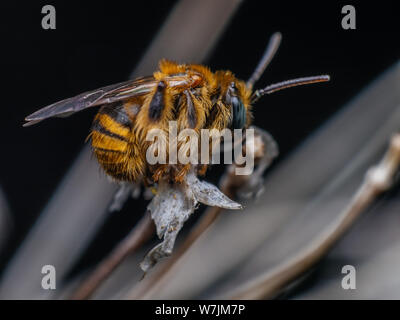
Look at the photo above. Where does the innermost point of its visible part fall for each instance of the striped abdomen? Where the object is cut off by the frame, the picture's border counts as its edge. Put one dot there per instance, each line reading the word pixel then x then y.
pixel 114 143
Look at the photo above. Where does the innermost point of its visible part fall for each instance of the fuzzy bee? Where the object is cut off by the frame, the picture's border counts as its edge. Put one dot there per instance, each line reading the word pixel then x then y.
pixel 189 94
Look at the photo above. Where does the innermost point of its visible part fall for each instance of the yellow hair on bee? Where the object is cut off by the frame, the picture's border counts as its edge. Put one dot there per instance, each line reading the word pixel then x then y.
pixel 170 67
pixel 105 142
pixel 107 122
pixel 201 105
pixel 225 78
pixel 208 75
pixel 189 94
pixel 143 122
pixel 116 149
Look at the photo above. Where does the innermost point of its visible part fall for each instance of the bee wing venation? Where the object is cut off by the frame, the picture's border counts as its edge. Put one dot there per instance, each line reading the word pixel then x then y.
pixel 101 96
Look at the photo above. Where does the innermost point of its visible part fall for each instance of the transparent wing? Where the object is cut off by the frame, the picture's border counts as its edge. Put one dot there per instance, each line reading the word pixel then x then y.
pixel 101 96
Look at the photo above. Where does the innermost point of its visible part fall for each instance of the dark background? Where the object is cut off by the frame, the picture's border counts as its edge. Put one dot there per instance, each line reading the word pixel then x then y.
pixel 97 44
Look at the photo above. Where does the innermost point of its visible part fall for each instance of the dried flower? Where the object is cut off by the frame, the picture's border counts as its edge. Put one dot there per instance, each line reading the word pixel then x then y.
pixel 172 206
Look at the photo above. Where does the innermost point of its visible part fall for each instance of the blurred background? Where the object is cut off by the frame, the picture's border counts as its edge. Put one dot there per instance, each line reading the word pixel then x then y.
pixel 323 127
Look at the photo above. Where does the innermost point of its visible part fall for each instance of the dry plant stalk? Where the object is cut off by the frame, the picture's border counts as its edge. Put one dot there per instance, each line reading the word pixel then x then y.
pixel 265 150
pixel 378 179
pixel 170 208
pixel 142 232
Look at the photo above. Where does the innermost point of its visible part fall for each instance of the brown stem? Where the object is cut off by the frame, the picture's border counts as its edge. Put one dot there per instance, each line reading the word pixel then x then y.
pixel 378 179
pixel 142 232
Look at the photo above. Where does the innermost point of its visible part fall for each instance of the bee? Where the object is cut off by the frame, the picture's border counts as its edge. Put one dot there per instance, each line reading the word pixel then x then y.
pixel 190 94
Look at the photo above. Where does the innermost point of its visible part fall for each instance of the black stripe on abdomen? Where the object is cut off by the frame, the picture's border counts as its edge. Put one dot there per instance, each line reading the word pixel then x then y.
pixel 117 111
pixel 97 126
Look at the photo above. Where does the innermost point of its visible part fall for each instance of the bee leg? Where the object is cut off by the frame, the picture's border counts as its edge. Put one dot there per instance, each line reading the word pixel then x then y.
pixel 159 172
pixel 265 151
pixel 202 169
pixel 182 173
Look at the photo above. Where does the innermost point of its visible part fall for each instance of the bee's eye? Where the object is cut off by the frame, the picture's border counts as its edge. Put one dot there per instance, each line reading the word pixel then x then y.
pixel 237 108
pixel 238 113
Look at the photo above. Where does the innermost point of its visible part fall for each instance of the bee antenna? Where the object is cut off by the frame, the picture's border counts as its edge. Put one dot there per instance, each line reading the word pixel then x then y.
pixel 288 84
pixel 269 53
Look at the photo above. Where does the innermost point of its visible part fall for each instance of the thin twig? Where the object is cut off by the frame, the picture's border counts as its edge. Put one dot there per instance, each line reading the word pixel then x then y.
pixel 142 232
pixel 377 180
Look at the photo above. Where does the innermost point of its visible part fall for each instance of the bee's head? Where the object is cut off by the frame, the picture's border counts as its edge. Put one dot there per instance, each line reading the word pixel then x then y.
pixel 234 98
pixel 239 95
pixel 235 94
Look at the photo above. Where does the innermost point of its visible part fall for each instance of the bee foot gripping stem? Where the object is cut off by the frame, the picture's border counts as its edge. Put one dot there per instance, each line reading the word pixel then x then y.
pixel 265 151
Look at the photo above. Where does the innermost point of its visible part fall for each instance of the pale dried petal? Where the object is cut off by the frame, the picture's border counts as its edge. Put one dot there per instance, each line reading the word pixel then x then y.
pixel 209 194
pixel 170 208
pixel 152 257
